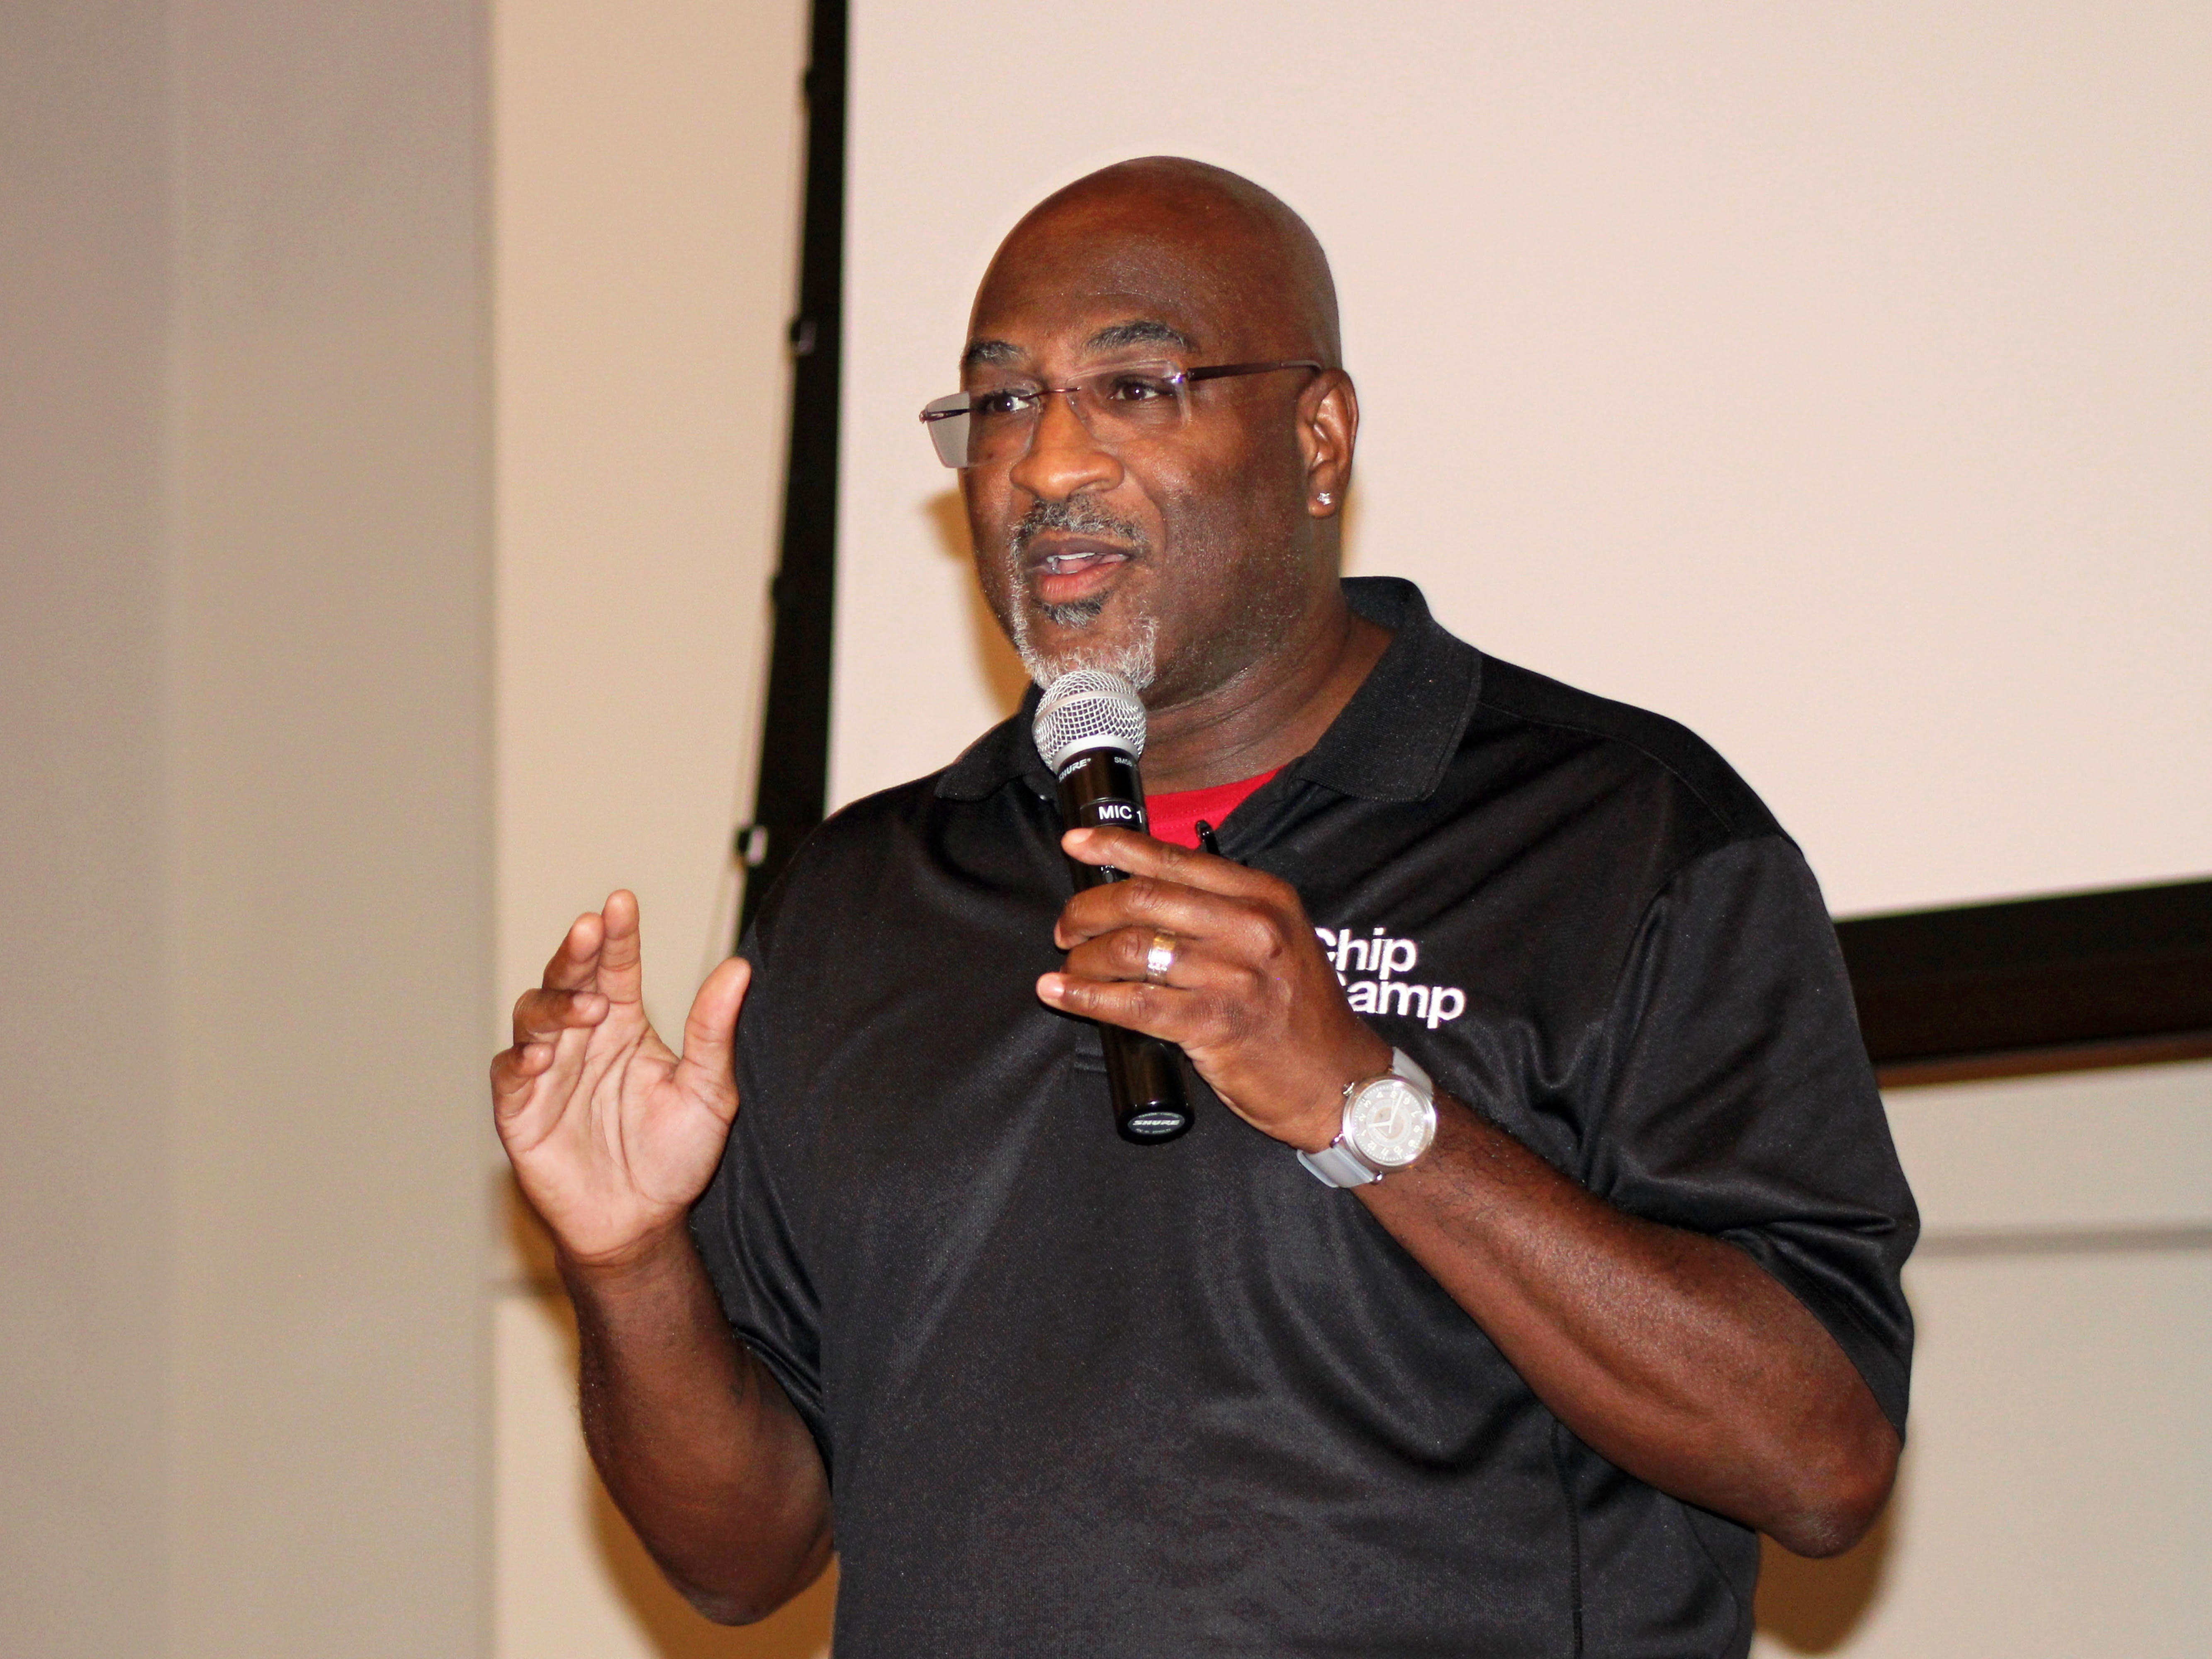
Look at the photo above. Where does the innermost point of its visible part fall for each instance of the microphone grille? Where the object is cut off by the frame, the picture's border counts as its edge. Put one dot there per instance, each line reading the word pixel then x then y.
pixel 1088 708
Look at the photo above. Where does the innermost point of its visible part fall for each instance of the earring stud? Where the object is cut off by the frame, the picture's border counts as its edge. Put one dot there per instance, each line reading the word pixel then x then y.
pixel 1324 498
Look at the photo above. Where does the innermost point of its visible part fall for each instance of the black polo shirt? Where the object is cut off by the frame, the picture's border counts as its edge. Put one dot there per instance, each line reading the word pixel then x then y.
pixel 1077 1396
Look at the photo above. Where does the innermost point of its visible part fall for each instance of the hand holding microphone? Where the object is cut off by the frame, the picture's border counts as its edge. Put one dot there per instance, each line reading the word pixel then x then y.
pixel 1198 957
pixel 1090 728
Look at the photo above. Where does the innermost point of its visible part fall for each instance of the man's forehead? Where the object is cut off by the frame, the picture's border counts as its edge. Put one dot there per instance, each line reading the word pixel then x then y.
pixel 1065 284
pixel 1188 258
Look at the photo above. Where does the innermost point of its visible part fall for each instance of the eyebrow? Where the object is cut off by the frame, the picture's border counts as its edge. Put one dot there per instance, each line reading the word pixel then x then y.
pixel 989 351
pixel 1141 330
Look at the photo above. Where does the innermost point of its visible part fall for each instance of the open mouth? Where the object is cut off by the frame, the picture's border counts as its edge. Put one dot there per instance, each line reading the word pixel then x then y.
pixel 1069 570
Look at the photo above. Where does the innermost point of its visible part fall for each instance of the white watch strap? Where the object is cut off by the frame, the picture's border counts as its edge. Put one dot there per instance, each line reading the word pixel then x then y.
pixel 1338 1165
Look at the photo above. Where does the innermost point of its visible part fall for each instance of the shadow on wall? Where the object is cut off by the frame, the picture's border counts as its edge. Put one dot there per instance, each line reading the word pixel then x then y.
pixel 1814 1607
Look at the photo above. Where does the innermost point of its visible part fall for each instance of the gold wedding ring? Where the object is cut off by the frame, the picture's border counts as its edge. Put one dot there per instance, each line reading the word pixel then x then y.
pixel 1159 961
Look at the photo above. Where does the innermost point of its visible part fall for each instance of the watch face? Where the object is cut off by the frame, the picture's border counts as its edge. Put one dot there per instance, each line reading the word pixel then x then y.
pixel 1391 1122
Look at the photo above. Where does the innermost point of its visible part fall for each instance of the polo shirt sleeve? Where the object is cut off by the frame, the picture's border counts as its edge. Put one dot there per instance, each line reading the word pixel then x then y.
pixel 748 1224
pixel 1735 1099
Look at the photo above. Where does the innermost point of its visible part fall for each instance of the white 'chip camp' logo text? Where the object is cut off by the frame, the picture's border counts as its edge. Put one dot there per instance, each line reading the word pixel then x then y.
pixel 1387 992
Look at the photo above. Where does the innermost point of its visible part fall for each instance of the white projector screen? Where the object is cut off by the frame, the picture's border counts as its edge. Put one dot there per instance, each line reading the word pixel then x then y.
pixel 1837 381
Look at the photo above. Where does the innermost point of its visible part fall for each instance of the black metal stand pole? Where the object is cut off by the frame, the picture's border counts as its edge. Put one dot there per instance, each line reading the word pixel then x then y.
pixel 794 782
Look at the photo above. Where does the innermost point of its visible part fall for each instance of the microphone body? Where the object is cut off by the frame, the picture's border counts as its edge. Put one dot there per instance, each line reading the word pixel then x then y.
pixel 1101 789
pixel 1089 729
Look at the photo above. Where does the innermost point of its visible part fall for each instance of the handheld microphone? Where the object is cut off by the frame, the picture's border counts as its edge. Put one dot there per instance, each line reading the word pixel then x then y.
pixel 1090 729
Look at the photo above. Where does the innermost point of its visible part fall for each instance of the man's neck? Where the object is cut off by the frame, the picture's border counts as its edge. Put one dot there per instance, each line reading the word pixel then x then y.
pixel 1270 713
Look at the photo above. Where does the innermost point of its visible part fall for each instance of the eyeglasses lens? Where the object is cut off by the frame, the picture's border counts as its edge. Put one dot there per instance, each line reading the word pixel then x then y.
pixel 1130 403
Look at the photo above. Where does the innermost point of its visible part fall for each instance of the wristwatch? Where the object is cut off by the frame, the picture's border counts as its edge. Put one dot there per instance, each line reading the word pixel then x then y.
pixel 1389 1121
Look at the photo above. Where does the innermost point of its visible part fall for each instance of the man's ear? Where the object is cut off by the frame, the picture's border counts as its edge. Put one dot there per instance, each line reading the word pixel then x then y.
pixel 1328 429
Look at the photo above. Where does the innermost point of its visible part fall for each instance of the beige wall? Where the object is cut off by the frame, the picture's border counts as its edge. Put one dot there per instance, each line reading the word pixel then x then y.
pixel 247 573
pixel 1828 377
pixel 645 200
pixel 249 466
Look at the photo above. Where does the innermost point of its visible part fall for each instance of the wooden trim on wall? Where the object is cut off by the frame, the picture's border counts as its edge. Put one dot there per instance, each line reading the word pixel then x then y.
pixel 2122 977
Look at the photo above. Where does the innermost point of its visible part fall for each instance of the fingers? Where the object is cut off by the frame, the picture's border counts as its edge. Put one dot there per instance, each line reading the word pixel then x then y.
pixel 573 963
pixel 1246 923
pixel 568 1000
pixel 1141 855
pixel 1210 980
pixel 710 1029
pixel 1172 887
pixel 620 974
pixel 541 1016
pixel 601 951
pixel 1124 953
pixel 1194 1019
pixel 513 1070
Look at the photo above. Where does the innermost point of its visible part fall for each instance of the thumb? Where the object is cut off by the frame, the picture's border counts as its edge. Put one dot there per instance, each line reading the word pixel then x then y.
pixel 710 1029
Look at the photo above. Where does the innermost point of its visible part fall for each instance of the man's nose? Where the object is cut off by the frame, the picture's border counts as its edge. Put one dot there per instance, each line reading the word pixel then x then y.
pixel 1063 457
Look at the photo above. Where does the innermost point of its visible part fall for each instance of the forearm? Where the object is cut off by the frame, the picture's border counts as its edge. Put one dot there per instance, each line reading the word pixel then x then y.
pixel 695 1440
pixel 1670 1354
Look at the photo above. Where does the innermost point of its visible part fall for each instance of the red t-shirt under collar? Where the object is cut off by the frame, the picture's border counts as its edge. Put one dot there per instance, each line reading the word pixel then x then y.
pixel 1175 816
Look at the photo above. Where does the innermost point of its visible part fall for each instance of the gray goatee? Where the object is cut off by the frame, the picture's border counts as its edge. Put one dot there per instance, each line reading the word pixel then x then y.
pixel 1134 657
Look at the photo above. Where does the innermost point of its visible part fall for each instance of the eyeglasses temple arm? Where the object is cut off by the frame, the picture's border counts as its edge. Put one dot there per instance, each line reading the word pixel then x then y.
pixel 1221 371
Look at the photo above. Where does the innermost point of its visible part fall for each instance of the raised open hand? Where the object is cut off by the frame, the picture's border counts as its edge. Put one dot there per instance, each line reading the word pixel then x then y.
pixel 611 1134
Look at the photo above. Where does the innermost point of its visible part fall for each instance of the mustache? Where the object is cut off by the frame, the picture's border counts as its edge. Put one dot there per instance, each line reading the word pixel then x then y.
pixel 1074 518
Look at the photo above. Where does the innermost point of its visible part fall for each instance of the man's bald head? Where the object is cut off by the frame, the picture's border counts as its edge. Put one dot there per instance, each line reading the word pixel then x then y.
pixel 1249 270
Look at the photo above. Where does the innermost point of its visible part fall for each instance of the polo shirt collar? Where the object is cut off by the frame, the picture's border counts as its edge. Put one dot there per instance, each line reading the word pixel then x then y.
pixel 1402 726
pixel 1391 743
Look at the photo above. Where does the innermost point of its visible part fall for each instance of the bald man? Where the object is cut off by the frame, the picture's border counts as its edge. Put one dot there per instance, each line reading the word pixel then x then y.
pixel 1529 1379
